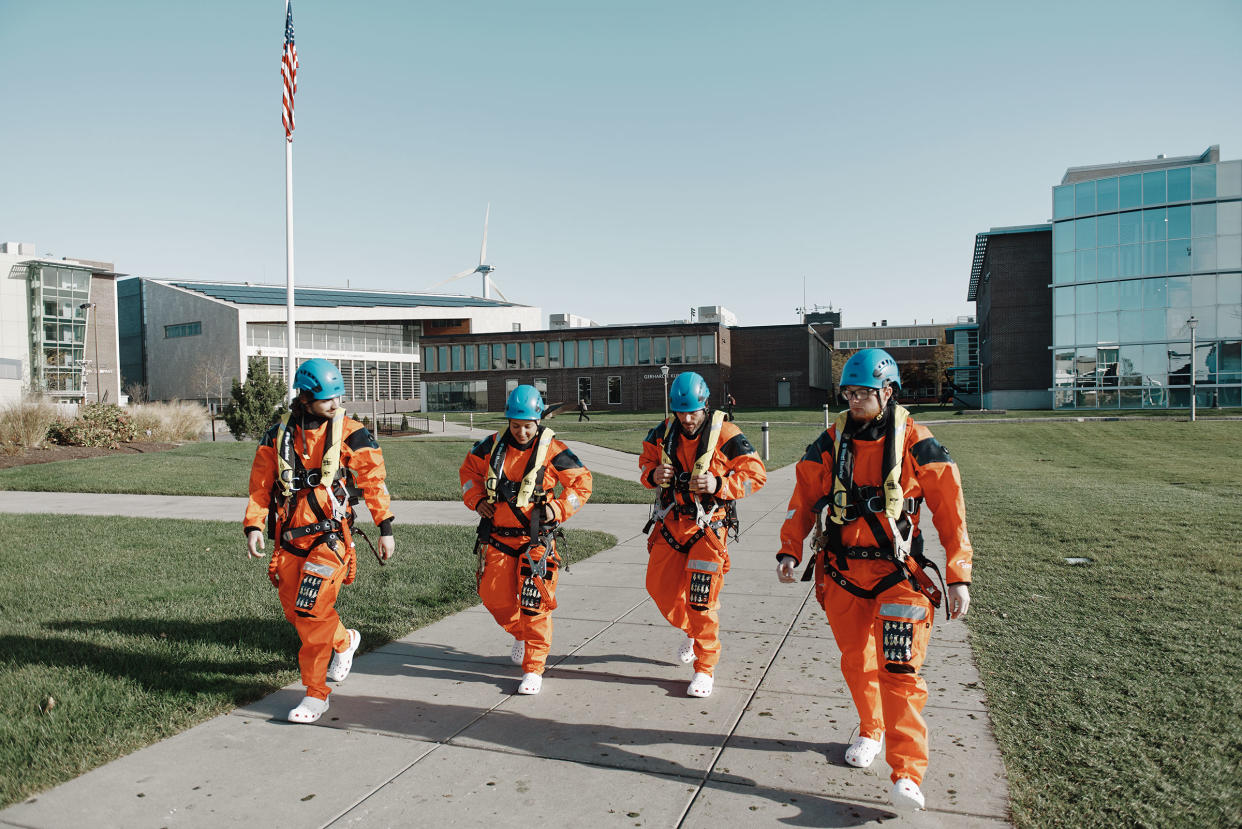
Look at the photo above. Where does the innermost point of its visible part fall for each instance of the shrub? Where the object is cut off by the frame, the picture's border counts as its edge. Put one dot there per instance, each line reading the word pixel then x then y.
pixel 172 422
pixel 405 424
pixel 98 424
pixel 25 423
pixel 255 402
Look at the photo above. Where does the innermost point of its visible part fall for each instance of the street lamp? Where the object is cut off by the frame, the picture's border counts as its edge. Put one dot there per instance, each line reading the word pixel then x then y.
pixel 664 374
pixel 373 373
pixel 1192 323
pixel 86 306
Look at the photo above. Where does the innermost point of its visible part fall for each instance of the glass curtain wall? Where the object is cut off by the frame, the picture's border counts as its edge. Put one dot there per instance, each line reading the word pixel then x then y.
pixel 58 335
pixel 1136 258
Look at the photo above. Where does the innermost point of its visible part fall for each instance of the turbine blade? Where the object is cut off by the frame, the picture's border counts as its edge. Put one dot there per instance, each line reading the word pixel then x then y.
pixel 498 291
pixel 453 278
pixel 483 250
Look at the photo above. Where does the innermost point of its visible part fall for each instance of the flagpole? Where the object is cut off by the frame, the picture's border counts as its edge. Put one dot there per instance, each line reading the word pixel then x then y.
pixel 290 363
pixel 289 74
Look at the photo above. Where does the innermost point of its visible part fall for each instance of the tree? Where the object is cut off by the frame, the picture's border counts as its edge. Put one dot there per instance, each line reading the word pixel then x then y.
pixel 210 374
pixel 255 402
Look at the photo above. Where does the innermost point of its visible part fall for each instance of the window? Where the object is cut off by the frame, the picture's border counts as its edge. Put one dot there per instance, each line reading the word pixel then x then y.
pixel 659 350
pixel 541 386
pixel 511 355
pixel 614 352
pixel 599 355
pixel 674 350
pixel 644 348
pixel 471 352
pixel 517 326
pixel 584 389
pixel 554 354
pixel 510 384
pixel 442 357
pixel 498 356
pixel 526 355
pixel 484 358
pixel 708 347
pixel 628 356
pixel 541 355
pixel 692 349
pixel 429 359
pixel 614 390
pixel 584 353
pixel 185 329
pixel 456 357
pixel 571 354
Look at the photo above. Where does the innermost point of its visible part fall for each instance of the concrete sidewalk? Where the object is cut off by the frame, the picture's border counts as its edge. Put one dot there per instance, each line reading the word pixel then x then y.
pixel 427 731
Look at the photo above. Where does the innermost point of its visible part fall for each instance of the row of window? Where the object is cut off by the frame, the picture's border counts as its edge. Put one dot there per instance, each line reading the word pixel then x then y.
pixel 1150 397
pixel 617 351
pixel 66 279
pixel 63 332
pixel 1197 182
pixel 1135 294
pixel 63 304
pixel 185 329
pixel 471 395
pixel 1208 253
pixel 368 379
pixel 1156 225
pixel 1154 365
pixel 1155 324
pixel 374 337
pixel 896 343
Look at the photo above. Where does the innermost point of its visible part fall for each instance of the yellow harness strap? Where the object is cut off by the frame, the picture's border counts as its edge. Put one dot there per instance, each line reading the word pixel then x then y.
pixel 527 488
pixel 894 497
pixel 331 463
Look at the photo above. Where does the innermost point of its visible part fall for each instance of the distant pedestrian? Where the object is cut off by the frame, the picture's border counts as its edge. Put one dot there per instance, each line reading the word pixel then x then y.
pixel 300 483
pixel 870 472
pixel 730 405
pixel 582 410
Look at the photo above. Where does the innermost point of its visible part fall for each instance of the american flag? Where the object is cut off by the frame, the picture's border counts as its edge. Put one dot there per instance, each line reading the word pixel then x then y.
pixel 289 70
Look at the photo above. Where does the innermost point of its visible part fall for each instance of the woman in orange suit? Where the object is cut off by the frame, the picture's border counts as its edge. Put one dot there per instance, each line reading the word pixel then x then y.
pixel 510 480
pixel 308 469
pixel 870 473
pixel 700 464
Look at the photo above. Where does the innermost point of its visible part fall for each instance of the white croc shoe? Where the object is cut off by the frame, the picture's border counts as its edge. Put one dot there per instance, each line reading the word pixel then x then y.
pixel 308 710
pixel 700 686
pixel 862 752
pixel 685 653
pixel 531 684
pixel 906 795
pixel 343 661
pixel 517 653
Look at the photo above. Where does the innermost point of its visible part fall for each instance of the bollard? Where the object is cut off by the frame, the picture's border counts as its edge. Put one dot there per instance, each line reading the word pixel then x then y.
pixel 443 423
pixel 827 417
pixel 472 421
pixel 766 446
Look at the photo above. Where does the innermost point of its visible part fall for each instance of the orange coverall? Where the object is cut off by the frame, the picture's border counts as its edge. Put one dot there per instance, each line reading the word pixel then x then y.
pixel 892 628
pixel 500 586
pixel 308 571
pixel 686 585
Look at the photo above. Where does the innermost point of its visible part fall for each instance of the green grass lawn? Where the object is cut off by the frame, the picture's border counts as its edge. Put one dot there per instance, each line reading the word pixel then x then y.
pixel 139 629
pixel 418 470
pixel 1112 686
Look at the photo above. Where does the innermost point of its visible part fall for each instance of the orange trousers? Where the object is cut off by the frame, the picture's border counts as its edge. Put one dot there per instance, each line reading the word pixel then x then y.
pixel 883 643
pixel 500 588
pixel 669 583
pixel 308 588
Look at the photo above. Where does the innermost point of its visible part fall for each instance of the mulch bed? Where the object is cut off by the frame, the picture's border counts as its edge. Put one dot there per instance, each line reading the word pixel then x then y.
pixel 69 453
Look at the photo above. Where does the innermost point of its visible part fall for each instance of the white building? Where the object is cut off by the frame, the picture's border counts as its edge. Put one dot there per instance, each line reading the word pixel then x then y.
pixel 188 340
pixel 57 327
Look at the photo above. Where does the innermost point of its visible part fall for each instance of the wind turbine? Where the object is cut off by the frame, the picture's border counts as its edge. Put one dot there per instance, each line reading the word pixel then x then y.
pixel 484 269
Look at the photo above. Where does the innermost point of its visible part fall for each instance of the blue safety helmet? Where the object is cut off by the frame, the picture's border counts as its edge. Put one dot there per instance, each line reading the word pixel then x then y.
pixel 871 368
pixel 689 393
pixel 320 378
pixel 524 403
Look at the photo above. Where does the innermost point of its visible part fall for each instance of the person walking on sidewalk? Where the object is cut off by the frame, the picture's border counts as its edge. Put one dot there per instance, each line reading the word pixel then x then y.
pixel 870 472
pixel 700 466
pixel 582 410
pixel 307 473
pixel 509 479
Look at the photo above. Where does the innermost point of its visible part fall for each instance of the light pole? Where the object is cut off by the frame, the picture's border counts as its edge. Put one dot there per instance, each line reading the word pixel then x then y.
pixel 1192 323
pixel 87 306
pixel 374 374
pixel 664 374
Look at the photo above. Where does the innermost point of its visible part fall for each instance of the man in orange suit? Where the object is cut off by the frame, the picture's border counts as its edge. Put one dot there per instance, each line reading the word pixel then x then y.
pixel 700 464
pixel 870 473
pixel 308 470
pixel 510 480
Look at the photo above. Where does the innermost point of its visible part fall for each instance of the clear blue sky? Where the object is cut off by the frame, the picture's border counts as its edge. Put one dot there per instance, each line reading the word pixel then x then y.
pixel 640 157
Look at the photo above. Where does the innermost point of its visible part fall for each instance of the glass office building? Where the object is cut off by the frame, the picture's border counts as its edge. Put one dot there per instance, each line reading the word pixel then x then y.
pixel 1146 256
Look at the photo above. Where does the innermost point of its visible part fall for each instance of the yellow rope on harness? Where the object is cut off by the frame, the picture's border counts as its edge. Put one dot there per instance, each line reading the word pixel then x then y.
pixel 527 488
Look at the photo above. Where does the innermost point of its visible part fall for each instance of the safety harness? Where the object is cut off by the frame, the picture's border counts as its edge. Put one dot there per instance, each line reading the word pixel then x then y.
pixel 519 495
pixel 294 482
pixel 701 507
pixel 849 502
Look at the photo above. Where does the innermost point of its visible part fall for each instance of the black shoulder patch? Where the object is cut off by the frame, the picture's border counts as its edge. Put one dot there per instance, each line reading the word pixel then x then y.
pixel 929 450
pixel 483 448
pixel 567 460
pixel 822 446
pixel 737 446
pixel 656 433
pixel 361 439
